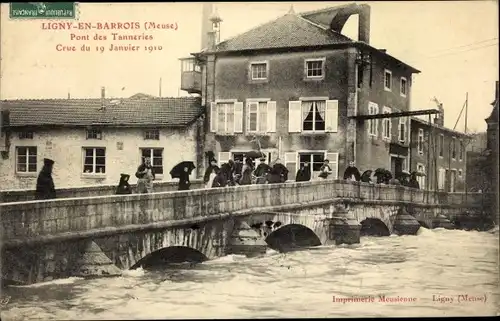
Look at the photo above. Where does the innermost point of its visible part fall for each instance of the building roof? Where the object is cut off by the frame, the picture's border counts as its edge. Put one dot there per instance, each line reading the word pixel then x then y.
pixel 160 112
pixel 295 31
pixel 451 131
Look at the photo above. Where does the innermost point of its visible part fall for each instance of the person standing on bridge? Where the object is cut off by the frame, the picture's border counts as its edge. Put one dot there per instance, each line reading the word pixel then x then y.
pixel 304 173
pixel 145 175
pixel 210 173
pixel 124 186
pixel 45 188
pixel 184 182
pixel 352 172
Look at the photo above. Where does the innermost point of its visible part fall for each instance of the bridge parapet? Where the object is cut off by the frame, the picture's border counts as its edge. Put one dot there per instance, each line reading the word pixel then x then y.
pixel 88 216
pixel 21 195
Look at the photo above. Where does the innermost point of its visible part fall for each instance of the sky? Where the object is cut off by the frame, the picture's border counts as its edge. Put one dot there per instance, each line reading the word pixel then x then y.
pixel 453 43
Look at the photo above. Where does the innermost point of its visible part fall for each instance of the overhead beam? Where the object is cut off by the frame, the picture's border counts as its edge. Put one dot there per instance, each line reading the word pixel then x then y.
pixel 399 114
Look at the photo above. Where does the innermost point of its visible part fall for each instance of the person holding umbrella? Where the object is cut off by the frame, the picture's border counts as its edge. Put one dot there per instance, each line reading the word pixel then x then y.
pixel 124 186
pixel 366 176
pixel 182 172
pixel 145 175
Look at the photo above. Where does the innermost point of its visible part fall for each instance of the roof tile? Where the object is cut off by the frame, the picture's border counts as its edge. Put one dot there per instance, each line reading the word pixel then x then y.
pixel 84 112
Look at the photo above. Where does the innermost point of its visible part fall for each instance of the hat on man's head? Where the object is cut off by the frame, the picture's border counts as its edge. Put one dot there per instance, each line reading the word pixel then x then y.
pixel 48 161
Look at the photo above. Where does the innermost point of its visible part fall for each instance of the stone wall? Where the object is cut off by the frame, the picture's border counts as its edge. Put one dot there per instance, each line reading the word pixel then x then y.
pixel 56 220
pixel 19 195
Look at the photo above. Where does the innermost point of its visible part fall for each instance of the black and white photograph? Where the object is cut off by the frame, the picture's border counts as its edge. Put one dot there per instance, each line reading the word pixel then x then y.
pixel 218 160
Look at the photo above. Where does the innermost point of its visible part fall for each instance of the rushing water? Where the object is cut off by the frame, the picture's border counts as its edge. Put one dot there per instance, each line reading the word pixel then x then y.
pixel 434 264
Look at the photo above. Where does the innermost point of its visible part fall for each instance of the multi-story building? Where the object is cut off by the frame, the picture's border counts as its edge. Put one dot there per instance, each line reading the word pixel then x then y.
pixel 439 153
pixel 296 84
pixel 93 141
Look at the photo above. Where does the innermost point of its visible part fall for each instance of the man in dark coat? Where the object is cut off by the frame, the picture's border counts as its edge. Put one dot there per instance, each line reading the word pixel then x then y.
pixel 352 172
pixel 413 183
pixel 45 184
pixel 261 171
pixel 124 186
pixel 304 173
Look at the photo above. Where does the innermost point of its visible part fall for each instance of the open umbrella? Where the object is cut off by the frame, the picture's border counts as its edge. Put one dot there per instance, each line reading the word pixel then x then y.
pixel 179 168
pixel 380 172
pixel 366 176
pixel 254 154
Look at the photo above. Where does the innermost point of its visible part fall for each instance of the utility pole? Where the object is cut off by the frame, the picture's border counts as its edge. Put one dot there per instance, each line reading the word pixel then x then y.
pixel 159 91
pixel 463 147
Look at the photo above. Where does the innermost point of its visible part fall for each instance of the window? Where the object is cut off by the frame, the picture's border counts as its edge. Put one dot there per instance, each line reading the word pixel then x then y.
pixel 403 87
pixel 316 160
pixel 387 80
pixel 373 123
pixel 402 129
pixel 226 117
pixel 26 159
pixel 459 173
pixel 461 150
pixel 453 148
pixel 94 160
pixel 441 145
pixel 315 68
pixel 152 134
pixel 156 155
pixel 258 70
pixel 257 117
pixel 313 115
pixel 94 134
pixel 421 179
pixel 386 124
pixel 441 178
pixel 420 142
pixel 25 135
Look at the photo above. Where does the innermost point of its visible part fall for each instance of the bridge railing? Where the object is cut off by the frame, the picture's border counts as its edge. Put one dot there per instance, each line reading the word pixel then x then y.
pixel 20 195
pixel 78 216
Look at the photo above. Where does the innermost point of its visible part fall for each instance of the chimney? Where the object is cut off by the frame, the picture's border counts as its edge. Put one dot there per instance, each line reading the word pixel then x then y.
pixel 206 24
pixel 364 23
pixel 439 119
pixel 103 92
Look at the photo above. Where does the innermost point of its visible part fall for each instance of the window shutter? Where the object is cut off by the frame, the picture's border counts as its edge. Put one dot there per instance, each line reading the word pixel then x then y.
pixel 238 117
pixel 291 164
pixel 334 164
pixel 332 115
pixel 271 116
pixel 224 157
pixel 213 117
pixel 294 117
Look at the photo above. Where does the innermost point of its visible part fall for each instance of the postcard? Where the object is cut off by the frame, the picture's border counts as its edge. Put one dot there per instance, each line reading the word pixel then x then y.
pixel 249 159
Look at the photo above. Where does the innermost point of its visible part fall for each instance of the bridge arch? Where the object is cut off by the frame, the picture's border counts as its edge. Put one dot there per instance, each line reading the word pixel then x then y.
pixel 170 255
pixel 292 236
pixel 374 227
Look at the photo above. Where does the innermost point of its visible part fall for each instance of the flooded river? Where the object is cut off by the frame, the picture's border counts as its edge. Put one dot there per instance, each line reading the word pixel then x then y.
pixel 436 273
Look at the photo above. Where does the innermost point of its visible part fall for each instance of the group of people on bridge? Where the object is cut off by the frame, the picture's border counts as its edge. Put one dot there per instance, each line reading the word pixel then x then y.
pixel 233 173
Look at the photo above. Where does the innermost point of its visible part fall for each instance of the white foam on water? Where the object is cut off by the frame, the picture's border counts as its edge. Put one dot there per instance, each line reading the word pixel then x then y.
pixel 231 258
pixel 139 272
pixel 424 231
pixel 70 280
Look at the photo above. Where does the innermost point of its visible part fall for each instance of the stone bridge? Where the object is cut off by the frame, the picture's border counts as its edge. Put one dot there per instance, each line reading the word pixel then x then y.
pixel 102 235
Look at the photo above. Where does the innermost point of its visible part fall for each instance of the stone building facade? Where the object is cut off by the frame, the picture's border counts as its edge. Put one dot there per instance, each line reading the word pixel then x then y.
pixel 93 141
pixel 294 85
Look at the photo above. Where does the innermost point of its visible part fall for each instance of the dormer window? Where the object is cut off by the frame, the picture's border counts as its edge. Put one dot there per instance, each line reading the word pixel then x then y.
pixel 26 135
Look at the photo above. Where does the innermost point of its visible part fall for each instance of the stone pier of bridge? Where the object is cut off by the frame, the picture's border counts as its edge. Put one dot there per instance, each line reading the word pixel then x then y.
pixel 103 235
